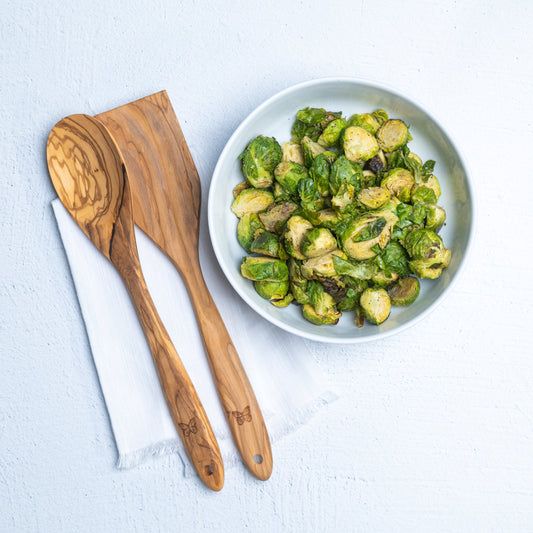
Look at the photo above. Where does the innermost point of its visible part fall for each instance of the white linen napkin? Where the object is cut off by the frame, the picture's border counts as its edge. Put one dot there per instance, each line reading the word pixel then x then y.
pixel 286 379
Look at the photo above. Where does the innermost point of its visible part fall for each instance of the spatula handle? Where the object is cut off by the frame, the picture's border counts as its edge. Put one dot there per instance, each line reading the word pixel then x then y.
pixel 234 389
pixel 183 401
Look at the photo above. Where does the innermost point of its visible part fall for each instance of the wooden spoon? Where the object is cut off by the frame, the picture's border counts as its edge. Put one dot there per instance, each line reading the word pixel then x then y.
pixel 166 206
pixel 90 178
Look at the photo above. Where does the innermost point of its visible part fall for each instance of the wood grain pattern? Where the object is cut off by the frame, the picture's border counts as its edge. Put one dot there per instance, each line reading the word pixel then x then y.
pixel 90 179
pixel 166 205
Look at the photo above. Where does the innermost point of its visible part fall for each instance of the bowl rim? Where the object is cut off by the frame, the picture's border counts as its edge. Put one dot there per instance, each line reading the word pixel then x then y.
pixel 468 182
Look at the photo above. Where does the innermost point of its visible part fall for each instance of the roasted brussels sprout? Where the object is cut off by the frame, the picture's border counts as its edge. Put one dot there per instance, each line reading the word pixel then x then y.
pixel 259 160
pixel 427 252
pixel 399 182
pixel 366 121
pixel 331 134
pixel 374 197
pixel 295 231
pixel 317 242
pixel 310 150
pixel 359 145
pixel 322 266
pixel 252 201
pixel 435 217
pixel 359 237
pixel 344 218
pixel 266 243
pixel 288 174
pixel 404 292
pixel 248 228
pixel 321 306
pixel 272 290
pixel 292 152
pixel 264 269
pixel 392 135
pixel 376 305
pixel 277 214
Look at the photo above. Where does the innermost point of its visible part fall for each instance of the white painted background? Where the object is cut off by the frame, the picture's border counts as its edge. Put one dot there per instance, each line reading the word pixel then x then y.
pixel 434 429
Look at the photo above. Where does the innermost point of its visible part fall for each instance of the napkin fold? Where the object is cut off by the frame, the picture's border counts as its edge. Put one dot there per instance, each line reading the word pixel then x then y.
pixel 287 381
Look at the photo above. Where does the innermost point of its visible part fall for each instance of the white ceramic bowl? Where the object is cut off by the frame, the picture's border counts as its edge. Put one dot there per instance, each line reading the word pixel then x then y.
pixel 275 118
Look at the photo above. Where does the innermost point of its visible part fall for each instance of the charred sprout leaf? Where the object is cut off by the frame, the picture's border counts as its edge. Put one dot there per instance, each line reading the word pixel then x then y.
pixel 335 287
pixel 331 134
pixel 264 269
pixel 404 292
pixel 376 305
pixel 259 161
pixel 252 201
pixel 272 290
pixel 311 115
pixel 248 228
pixel 295 231
pixel 378 163
pixel 288 174
pixel 277 214
pixel 350 301
pixel 359 145
pixel 317 242
pixel 392 135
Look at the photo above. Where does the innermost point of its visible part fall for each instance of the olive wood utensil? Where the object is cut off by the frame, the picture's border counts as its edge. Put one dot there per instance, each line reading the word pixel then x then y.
pixel 90 178
pixel 166 206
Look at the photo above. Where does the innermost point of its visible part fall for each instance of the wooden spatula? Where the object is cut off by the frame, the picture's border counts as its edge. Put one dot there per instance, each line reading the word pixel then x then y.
pixel 166 206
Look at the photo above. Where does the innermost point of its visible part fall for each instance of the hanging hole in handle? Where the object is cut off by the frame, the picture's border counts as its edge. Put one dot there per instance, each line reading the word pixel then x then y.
pixel 258 458
pixel 209 470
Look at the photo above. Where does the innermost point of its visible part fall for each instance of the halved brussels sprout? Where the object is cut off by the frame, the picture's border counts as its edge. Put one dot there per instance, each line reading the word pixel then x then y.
pixel 359 145
pixel 310 150
pixel 428 254
pixel 380 115
pixel 311 115
pixel 288 174
pixel 378 163
pixel 376 305
pixel 429 182
pixel 393 134
pixel 248 228
pixel 332 132
pixel 374 197
pixel 295 231
pixel 265 243
pixel 359 237
pixel 259 160
pixel 321 306
pixel 264 269
pixel 404 292
pixel 435 217
pixel 317 242
pixel 277 214
pixel 310 197
pixel 252 201
pixel 399 182
pixel 322 266
pixel 272 290
pixel 238 188
pixel 292 152
pixel 365 121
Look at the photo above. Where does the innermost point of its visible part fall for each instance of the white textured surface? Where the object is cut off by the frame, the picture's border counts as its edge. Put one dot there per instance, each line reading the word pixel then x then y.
pixel 434 431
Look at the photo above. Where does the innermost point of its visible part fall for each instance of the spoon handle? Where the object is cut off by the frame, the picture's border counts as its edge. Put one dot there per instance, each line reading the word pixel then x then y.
pixel 236 395
pixel 182 399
